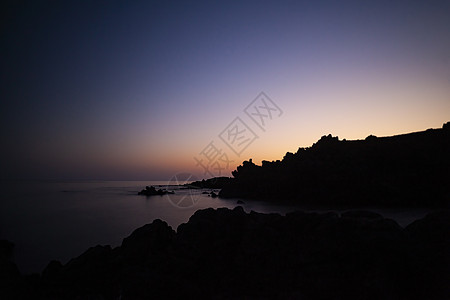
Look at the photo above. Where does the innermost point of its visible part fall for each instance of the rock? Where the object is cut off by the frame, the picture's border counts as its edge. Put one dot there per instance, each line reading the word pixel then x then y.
pixel 11 281
pixel 151 191
pixel 354 173
pixel 6 249
pixel 429 256
pixel 358 255
pixel 53 270
pixel 151 239
pixel 361 214
pixel 211 183
pixel 434 227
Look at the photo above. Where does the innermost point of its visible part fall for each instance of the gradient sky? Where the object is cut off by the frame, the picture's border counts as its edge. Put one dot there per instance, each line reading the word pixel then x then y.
pixel 114 90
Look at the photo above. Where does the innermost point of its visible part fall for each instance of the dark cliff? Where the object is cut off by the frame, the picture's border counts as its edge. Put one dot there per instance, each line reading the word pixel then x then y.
pixel 410 169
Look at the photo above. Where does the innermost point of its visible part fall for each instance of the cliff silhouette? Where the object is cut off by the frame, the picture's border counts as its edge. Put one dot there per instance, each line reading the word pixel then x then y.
pixel 409 169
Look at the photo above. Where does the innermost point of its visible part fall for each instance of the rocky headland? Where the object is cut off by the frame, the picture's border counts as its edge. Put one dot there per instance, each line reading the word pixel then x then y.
pixel 403 170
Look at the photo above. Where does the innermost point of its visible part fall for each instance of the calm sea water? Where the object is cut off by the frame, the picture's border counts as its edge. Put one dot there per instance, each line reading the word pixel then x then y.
pixel 60 219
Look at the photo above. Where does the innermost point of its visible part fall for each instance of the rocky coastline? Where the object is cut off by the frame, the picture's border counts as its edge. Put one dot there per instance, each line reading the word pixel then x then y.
pixel 229 254
pixel 408 170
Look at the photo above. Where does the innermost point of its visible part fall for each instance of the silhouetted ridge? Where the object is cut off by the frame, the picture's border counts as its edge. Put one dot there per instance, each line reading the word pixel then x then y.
pixel 408 169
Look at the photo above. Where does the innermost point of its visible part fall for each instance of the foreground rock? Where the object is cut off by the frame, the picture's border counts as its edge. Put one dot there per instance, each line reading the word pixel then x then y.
pixel 230 254
pixel 10 279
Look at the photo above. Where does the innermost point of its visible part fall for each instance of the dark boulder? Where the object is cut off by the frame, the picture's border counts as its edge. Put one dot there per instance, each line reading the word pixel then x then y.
pixel 151 191
pixel 11 281
pixel 53 270
pixel 429 256
pixel 223 253
pixel 361 214
pixel 147 242
pixel 6 249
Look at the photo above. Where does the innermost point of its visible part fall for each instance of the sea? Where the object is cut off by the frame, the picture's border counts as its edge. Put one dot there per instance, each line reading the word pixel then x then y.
pixel 59 220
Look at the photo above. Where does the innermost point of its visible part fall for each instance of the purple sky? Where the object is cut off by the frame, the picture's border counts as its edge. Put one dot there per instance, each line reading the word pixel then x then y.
pixel 114 90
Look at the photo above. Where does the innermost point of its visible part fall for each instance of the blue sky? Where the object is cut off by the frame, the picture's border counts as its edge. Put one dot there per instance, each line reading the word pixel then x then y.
pixel 112 90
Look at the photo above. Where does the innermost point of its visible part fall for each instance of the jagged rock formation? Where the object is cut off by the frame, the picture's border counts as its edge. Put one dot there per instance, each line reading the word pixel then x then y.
pixel 403 170
pixel 230 254
pixel 152 191
pixel 211 183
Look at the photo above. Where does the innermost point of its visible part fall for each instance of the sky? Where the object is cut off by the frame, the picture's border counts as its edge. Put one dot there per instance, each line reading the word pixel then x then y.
pixel 148 90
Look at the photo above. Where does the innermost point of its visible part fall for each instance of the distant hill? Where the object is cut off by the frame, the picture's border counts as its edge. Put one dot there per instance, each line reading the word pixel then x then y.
pixel 409 169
